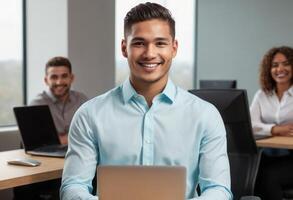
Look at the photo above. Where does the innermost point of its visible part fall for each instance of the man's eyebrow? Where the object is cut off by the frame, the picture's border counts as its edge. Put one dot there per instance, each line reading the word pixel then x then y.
pixel 156 39
pixel 162 39
pixel 138 39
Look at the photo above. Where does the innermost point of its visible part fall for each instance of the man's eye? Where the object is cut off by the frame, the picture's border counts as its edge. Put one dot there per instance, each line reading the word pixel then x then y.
pixel 137 43
pixel 286 63
pixel 65 76
pixel 162 44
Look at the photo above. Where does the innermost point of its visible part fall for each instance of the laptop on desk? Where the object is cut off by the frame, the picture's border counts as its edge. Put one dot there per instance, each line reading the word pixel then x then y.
pixel 141 182
pixel 38 132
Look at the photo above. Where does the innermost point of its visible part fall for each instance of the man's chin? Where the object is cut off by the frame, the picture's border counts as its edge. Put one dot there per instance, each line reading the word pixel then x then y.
pixel 60 95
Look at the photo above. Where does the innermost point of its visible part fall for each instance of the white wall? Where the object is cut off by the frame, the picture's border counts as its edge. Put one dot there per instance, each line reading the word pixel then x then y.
pixel 46 37
pixel 233 35
pixel 91 44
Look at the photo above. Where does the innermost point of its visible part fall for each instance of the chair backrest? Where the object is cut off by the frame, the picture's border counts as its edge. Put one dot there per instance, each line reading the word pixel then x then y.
pixel 244 168
pixel 244 156
pixel 217 84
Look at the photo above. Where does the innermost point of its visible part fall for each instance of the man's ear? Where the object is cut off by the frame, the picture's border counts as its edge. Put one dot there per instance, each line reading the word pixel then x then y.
pixel 72 77
pixel 46 80
pixel 124 48
pixel 175 47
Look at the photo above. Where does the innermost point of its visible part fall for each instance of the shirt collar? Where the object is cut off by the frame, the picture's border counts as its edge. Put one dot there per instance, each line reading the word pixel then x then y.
pixel 167 95
pixel 169 92
pixel 290 91
pixel 128 91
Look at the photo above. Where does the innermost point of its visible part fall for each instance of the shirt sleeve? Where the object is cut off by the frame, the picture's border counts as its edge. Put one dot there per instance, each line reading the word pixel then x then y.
pixel 214 169
pixel 258 126
pixel 80 161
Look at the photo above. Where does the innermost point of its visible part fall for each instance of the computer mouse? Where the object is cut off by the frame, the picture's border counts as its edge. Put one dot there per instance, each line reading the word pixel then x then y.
pixel 24 162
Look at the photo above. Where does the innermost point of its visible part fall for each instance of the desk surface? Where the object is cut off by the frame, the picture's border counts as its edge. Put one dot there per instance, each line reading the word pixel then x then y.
pixel 14 175
pixel 51 168
pixel 280 142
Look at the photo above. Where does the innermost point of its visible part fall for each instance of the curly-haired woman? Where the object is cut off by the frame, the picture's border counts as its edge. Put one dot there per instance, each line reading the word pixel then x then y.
pixel 272 114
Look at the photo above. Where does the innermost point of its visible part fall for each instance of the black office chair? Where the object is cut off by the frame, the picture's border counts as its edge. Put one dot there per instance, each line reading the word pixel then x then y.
pixel 244 157
pixel 217 84
pixel 288 194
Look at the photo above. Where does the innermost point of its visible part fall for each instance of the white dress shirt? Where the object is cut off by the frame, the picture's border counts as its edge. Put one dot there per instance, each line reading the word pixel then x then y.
pixel 268 111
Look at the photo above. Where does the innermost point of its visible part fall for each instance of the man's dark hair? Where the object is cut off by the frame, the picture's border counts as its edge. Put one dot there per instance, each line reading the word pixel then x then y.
pixel 58 61
pixel 148 11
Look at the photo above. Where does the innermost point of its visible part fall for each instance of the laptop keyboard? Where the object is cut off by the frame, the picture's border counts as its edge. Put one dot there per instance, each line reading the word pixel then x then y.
pixel 52 148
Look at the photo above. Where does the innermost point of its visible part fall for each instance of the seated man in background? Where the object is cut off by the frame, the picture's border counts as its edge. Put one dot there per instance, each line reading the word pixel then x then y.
pixel 63 103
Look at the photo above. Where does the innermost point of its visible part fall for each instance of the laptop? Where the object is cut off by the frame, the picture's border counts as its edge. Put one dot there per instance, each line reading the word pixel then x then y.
pixel 141 182
pixel 38 132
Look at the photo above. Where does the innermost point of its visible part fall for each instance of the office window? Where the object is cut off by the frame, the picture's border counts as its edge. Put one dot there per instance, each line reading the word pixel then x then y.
pixel 182 70
pixel 11 58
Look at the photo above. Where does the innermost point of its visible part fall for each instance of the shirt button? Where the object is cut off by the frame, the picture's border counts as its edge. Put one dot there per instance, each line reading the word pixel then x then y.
pixel 148 141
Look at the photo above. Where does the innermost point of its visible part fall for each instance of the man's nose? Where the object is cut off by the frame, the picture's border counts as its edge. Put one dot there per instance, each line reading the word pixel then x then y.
pixel 59 81
pixel 150 51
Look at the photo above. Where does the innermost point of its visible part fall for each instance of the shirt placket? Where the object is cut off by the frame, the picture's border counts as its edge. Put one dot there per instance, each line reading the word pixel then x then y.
pixel 278 106
pixel 281 111
pixel 148 140
pixel 147 156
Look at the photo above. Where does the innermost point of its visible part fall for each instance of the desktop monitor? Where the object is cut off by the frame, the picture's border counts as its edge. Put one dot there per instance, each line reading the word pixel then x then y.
pixel 233 107
pixel 217 84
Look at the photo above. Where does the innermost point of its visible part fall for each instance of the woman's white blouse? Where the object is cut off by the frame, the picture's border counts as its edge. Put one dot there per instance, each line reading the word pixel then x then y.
pixel 267 111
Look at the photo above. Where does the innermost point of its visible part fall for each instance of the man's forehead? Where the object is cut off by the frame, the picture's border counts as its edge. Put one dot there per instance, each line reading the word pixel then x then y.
pixel 58 70
pixel 155 27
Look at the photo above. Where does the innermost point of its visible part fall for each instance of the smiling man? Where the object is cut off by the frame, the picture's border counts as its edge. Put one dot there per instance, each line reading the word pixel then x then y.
pixel 62 101
pixel 148 120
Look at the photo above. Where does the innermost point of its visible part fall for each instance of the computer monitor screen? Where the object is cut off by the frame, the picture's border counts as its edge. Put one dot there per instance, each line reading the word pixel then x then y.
pixel 233 107
pixel 217 84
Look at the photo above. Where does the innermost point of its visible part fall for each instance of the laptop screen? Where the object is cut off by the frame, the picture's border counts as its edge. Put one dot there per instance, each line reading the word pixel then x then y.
pixel 36 126
pixel 141 182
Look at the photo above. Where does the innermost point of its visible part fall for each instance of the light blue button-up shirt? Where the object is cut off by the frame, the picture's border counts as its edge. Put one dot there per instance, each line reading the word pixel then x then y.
pixel 119 128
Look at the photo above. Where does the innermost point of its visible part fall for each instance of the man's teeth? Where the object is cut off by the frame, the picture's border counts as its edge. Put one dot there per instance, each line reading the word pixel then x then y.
pixel 150 65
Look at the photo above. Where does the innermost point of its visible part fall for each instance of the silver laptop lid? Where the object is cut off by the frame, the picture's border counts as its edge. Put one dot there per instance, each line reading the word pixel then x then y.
pixel 141 182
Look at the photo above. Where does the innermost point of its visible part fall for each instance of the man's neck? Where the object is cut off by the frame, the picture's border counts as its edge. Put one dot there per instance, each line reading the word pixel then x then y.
pixel 149 90
pixel 64 98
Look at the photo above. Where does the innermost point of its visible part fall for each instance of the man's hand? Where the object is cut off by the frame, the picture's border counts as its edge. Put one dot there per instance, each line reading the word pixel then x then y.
pixel 283 130
pixel 63 139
